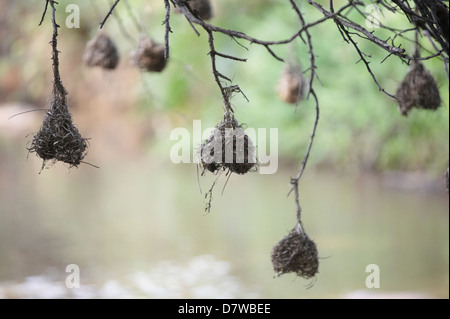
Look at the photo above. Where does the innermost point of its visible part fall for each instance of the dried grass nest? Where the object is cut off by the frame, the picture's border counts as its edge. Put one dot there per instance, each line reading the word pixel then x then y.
pixel 418 89
pixel 291 85
pixel 58 138
pixel 149 55
pixel 297 253
pixel 101 51
pixel 202 7
pixel 228 147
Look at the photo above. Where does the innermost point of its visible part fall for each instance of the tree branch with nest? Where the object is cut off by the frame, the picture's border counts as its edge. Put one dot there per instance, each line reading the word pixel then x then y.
pixel 428 16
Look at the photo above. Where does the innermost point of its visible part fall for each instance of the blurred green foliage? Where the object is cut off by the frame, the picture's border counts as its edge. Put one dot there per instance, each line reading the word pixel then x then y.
pixel 359 128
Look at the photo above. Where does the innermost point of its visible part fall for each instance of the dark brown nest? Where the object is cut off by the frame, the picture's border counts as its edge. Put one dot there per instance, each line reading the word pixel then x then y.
pixel 58 139
pixel 418 89
pixel 101 51
pixel 228 147
pixel 291 84
pixel 149 55
pixel 296 253
pixel 201 7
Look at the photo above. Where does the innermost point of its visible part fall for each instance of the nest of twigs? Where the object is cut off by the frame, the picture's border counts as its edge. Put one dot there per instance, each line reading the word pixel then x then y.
pixel 201 7
pixel 149 55
pixel 418 89
pixel 291 85
pixel 297 253
pixel 58 138
pixel 101 51
pixel 228 147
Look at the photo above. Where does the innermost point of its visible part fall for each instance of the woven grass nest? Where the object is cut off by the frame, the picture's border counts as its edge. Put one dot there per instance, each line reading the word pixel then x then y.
pixel 418 89
pixel 58 138
pixel 228 147
pixel 201 7
pixel 296 253
pixel 149 55
pixel 102 52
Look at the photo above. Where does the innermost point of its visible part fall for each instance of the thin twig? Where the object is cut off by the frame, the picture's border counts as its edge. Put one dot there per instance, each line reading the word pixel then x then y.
pixel 90 164
pixel 209 193
pixel 43 14
pixel 294 181
pixel 58 88
pixel 241 35
pixel 109 13
pixel 216 73
pixel 226 56
pixel 394 50
pixel 24 112
pixel 166 22
pixel 312 65
pixel 363 56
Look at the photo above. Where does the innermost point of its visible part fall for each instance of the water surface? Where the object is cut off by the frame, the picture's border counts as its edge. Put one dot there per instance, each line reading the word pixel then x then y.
pixel 138 229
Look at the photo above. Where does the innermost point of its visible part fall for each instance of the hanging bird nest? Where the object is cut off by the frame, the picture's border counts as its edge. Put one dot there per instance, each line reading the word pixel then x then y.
pixel 228 147
pixel 58 138
pixel 290 86
pixel 101 51
pixel 201 7
pixel 297 253
pixel 149 55
pixel 418 89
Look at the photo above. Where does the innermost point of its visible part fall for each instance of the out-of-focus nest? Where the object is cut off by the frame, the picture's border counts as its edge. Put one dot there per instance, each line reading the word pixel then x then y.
pixel 58 139
pixel 291 85
pixel 297 253
pixel 228 147
pixel 418 89
pixel 101 51
pixel 201 7
pixel 149 55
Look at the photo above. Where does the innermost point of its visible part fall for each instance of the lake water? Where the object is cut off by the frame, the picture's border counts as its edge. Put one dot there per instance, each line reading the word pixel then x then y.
pixel 138 229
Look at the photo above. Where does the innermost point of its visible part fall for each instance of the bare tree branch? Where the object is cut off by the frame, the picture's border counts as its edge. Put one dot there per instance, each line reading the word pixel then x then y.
pixel 58 87
pixel 312 65
pixel 363 56
pixel 109 13
pixel 295 181
pixel 431 16
pixel 45 11
pixel 342 20
pixel 168 29
pixel 241 35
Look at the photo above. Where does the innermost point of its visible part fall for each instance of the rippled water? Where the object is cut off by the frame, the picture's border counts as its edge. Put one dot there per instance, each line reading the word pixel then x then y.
pixel 138 229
